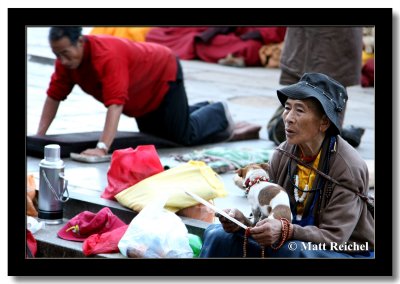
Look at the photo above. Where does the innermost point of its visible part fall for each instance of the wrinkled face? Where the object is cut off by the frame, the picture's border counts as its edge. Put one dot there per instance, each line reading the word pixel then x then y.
pixel 303 120
pixel 70 55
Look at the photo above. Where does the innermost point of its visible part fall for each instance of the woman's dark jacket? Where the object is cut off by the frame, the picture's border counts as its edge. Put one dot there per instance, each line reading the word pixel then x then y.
pixel 341 217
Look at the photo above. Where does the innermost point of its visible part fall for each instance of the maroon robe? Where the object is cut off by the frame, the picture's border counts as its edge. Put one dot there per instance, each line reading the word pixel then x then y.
pixel 213 43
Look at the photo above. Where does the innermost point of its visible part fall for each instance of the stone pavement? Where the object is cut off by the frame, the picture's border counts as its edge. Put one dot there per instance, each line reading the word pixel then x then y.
pixel 250 93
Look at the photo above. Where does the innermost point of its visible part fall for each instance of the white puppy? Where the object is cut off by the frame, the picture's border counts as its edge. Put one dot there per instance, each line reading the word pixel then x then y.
pixel 267 200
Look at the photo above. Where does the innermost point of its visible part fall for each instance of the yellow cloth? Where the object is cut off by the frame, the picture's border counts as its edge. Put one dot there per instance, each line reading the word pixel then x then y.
pixel 132 33
pixel 270 54
pixel 306 176
pixel 366 56
pixel 194 176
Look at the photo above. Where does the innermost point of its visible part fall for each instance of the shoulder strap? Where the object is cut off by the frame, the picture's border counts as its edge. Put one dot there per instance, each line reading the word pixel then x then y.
pixel 301 162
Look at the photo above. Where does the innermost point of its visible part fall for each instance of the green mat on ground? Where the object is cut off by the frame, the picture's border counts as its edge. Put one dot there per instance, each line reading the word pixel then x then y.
pixel 222 160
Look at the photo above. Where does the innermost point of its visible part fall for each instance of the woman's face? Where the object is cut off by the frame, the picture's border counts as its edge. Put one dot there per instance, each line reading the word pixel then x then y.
pixel 70 55
pixel 304 121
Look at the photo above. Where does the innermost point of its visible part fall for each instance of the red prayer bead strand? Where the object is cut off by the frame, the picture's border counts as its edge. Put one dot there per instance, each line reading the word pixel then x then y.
pixel 246 236
pixel 286 231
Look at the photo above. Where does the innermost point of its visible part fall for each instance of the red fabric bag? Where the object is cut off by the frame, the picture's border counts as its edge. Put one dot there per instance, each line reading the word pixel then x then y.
pixel 88 223
pixel 104 243
pixel 368 73
pixel 129 166
pixel 31 245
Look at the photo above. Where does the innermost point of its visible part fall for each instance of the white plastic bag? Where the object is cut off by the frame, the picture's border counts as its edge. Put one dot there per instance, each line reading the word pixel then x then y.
pixel 33 225
pixel 156 233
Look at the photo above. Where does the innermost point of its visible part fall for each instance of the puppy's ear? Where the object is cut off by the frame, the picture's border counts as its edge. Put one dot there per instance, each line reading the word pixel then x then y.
pixel 238 181
pixel 240 172
pixel 265 166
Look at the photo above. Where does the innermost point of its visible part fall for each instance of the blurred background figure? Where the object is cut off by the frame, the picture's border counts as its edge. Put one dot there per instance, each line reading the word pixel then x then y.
pixel 334 51
pixel 229 46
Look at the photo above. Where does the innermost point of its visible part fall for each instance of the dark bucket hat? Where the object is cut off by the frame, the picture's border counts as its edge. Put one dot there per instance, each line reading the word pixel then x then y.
pixel 330 93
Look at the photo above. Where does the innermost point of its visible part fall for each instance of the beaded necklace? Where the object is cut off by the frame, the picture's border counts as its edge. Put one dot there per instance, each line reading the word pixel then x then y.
pixel 303 179
pixel 320 183
pixel 298 198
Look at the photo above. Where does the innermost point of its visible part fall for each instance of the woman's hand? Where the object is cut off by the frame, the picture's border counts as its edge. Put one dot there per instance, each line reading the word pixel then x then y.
pixel 228 225
pixel 94 152
pixel 267 231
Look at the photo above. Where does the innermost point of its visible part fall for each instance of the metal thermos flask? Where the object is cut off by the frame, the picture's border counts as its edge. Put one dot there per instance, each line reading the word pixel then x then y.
pixel 52 186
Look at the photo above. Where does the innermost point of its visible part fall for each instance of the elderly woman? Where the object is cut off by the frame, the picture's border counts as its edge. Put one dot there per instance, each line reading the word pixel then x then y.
pixel 325 178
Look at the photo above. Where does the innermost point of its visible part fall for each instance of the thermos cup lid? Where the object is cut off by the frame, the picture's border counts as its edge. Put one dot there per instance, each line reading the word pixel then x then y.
pixel 52 153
